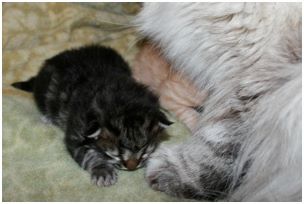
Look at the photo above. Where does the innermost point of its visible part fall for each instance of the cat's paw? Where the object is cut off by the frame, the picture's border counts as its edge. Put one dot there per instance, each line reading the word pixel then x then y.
pixel 161 174
pixel 103 176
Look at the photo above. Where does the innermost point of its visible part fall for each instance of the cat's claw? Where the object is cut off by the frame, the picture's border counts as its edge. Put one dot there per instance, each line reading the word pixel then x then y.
pixel 104 177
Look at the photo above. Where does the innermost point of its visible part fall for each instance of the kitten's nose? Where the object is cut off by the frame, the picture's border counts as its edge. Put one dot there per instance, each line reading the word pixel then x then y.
pixel 131 164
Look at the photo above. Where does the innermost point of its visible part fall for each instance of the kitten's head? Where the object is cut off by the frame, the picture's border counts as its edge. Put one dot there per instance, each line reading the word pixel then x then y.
pixel 129 139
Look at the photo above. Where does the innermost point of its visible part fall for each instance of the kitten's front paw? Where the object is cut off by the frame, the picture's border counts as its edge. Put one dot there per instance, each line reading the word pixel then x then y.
pixel 103 176
pixel 161 173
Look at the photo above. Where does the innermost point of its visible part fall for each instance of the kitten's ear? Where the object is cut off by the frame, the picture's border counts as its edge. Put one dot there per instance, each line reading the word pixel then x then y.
pixel 163 120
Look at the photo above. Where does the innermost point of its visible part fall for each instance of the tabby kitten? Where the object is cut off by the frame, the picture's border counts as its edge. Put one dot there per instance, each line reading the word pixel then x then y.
pixel 110 121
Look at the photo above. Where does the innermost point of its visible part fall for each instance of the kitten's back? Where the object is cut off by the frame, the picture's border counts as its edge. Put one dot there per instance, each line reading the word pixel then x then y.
pixel 92 59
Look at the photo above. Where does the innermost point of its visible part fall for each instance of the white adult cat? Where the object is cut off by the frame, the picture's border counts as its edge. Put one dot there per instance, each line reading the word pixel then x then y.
pixel 248 57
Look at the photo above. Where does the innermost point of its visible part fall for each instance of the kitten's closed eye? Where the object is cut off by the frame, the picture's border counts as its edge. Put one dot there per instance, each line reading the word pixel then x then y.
pixel 92 127
pixel 114 154
pixel 95 134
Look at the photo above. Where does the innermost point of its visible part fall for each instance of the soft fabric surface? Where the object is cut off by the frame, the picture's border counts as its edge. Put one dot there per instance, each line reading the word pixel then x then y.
pixel 36 166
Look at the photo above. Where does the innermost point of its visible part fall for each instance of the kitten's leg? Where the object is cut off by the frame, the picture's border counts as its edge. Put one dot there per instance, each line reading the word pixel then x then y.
pixel 89 158
pixel 199 168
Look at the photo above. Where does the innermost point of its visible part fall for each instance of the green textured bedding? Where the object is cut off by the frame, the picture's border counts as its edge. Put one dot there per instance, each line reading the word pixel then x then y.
pixel 36 166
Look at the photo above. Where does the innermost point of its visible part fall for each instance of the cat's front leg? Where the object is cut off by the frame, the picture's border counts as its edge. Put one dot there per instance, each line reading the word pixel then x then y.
pixel 167 171
pixel 94 161
pixel 199 168
pixel 161 173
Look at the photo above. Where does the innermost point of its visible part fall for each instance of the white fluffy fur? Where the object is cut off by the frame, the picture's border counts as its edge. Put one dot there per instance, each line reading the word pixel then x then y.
pixel 239 50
